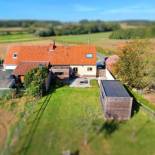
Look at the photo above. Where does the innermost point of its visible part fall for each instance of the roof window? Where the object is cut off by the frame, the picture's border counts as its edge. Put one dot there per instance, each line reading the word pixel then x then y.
pixel 89 55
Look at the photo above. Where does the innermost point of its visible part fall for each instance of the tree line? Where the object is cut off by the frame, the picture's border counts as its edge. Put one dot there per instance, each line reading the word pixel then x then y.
pixel 134 33
pixel 51 28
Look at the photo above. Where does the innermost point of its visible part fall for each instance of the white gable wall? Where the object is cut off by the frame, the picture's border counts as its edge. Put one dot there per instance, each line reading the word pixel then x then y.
pixel 9 67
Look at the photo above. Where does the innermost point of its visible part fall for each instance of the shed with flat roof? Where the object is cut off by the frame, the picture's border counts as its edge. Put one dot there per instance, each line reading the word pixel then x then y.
pixel 116 101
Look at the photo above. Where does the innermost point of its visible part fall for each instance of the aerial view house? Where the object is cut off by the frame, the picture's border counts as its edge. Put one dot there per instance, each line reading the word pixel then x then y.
pixel 63 61
pixel 116 102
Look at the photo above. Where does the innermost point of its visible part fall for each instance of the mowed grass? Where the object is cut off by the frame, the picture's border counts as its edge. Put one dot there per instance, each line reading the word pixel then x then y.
pixel 17 38
pixel 66 39
pixel 84 38
pixel 74 115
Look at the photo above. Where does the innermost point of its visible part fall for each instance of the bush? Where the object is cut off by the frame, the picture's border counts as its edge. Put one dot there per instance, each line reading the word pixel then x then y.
pixel 45 32
pixel 5 33
pixel 34 81
pixel 138 33
pixel 130 34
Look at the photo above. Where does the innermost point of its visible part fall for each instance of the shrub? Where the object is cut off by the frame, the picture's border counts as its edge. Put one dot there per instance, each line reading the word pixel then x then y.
pixel 34 81
pixel 138 33
pixel 45 32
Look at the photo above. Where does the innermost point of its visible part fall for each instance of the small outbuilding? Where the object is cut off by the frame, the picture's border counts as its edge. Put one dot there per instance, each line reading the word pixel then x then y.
pixel 116 101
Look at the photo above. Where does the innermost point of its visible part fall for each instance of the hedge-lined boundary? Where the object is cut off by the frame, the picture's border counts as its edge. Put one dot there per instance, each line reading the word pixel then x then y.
pixel 145 105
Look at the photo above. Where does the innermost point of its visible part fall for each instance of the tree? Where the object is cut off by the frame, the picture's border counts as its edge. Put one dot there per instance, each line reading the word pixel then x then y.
pixel 45 32
pixel 34 81
pixel 132 66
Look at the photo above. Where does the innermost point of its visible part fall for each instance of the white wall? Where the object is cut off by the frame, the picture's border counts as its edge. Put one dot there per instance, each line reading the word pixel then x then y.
pixel 9 67
pixel 109 76
pixel 82 70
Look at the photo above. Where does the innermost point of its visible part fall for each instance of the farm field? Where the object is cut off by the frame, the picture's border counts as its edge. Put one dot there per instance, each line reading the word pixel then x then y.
pixel 99 39
pixel 8 40
pixel 92 38
pixel 17 38
pixel 72 121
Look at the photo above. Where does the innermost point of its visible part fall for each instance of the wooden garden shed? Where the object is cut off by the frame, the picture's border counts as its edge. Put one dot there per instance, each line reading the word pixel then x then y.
pixel 116 101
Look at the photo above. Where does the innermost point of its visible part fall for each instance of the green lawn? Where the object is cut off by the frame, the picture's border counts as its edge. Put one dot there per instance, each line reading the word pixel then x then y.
pixel 63 39
pixel 72 117
pixel 17 38
pixel 86 38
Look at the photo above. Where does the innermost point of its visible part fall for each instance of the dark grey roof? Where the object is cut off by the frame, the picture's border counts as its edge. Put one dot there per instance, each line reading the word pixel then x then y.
pixel 114 88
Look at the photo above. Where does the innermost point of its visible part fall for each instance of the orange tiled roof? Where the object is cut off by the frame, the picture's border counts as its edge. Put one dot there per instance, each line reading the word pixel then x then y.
pixel 25 67
pixel 70 55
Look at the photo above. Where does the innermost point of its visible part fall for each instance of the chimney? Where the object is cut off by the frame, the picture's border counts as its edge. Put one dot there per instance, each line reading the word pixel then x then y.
pixel 52 47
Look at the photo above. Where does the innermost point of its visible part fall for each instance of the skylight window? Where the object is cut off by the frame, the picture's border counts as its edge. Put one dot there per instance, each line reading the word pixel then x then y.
pixel 89 55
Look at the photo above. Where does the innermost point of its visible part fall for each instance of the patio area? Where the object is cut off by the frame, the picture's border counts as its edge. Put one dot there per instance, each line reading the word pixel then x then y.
pixel 80 82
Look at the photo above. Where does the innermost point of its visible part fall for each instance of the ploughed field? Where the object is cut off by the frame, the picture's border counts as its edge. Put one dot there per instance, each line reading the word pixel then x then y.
pixel 71 120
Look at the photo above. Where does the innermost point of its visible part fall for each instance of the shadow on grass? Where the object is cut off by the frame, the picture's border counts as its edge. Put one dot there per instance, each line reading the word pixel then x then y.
pixel 107 129
pixel 34 124
pixel 28 138
pixel 77 152
pixel 135 105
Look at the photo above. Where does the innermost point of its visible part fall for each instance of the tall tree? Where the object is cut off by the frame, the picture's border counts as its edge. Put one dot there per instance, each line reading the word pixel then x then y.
pixel 132 66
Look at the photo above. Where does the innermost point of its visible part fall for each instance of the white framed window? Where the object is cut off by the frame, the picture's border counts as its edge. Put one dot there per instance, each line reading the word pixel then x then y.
pixel 89 69
pixel 15 55
pixel 89 55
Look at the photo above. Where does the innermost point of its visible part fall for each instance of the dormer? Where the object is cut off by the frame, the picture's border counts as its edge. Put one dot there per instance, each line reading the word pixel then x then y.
pixel 15 55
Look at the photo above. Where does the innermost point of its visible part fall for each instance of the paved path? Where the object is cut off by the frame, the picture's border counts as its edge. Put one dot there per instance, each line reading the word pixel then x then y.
pixel 78 82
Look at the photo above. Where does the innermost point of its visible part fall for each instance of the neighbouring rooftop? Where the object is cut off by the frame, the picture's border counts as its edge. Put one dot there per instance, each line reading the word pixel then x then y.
pixel 25 67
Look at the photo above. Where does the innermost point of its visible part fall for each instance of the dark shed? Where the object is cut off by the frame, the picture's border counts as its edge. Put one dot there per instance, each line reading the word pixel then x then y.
pixel 116 101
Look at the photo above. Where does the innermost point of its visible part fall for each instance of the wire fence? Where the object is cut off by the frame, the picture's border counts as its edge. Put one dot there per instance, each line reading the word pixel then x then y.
pixel 147 110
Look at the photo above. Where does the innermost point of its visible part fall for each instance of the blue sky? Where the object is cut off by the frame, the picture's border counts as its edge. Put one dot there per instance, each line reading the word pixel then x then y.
pixel 74 10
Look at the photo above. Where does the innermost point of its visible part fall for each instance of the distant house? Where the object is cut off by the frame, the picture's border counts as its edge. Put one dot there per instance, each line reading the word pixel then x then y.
pixel 64 61
pixel 116 102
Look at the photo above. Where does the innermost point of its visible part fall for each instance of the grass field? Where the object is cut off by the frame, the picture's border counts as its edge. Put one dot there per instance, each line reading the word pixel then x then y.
pixel 74 115
pixel 86 38
pixel 8 40
pixel 17 38
pixel 92 38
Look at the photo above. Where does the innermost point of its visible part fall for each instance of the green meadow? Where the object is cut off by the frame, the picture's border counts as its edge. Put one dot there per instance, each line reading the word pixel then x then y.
pixel 71 120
